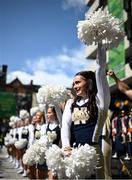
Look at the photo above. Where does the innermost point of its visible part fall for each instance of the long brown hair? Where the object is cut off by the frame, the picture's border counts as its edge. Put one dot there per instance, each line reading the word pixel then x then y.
pixel 91 92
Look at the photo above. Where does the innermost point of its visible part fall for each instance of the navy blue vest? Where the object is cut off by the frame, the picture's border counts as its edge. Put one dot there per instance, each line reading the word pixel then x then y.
pixel 57 130
pixel 82 126
pixel 25 135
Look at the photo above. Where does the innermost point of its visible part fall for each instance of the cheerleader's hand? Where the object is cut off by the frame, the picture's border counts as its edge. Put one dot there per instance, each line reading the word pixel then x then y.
pixel 67 151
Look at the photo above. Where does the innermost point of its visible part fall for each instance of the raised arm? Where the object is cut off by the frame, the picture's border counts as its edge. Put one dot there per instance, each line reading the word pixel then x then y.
pixel 123 87
pixel 103 92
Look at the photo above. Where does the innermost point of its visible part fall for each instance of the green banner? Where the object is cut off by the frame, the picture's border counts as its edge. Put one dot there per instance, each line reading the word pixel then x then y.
pixel 7 104
pixel 116 57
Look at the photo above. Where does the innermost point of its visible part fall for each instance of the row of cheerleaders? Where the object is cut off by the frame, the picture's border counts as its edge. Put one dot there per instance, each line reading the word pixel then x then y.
pixel 122 134
pixel 29 137
pixel 33 145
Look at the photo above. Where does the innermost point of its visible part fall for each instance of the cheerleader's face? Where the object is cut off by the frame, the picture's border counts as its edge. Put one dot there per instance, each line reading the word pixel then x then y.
pixel 39 116
pixel 26 122
pixel 19 124
pixel 33 120
pixel 50 115
pixel 80 85
pixel 22 123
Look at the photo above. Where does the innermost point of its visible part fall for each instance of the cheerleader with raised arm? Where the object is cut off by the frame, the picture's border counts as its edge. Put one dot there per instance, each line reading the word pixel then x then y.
pixel 85 115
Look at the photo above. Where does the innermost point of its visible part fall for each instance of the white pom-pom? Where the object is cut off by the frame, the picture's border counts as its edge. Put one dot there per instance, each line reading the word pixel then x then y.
pixel 7 139
pixel 36 153
pixel 11 124
pixel 12 118
pixel 28 157
pixel 79 165
pixel 33 110
pixel 42 107
pixel 16 119
pixel 23 114
pixel 55 161
pixel 100 27
pixel 21 143
pixel 12 140
pixel 51 94
pixel 82 162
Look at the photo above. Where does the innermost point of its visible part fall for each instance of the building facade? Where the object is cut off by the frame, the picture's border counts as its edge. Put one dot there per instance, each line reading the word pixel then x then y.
pixel 90 51
pixel 14 95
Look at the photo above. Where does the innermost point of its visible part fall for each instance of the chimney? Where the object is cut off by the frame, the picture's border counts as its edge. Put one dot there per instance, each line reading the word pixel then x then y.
pixel 31 82
pixel 3 74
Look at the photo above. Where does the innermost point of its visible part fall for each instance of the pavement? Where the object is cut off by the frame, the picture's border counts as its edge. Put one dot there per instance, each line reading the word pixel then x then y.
pixel 121 169
pixel 7 171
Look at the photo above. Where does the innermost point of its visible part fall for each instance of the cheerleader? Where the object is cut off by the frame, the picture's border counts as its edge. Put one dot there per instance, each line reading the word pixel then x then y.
pixel 9 136
pixel 85 115
pixel 24 115
pixel 16 135
pixel 31 170
pixel 53 126
pixel 40 130
pixel 19 151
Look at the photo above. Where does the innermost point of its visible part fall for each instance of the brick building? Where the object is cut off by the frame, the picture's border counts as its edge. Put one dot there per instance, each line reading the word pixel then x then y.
pixel 14 95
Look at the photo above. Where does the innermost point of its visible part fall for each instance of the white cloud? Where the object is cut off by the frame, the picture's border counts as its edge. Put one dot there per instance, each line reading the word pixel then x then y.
pixel 77 4
pixel 58 69
pixel 39 78
pixel 24 77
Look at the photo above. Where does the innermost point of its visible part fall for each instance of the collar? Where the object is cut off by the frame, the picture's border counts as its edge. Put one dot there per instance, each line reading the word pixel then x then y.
pixel 81 102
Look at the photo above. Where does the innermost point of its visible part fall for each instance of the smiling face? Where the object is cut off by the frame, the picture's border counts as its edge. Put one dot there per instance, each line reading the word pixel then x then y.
pixel 80 85
pixel 33 121
pixel 27 121
pixel 51 116
pixel 39 116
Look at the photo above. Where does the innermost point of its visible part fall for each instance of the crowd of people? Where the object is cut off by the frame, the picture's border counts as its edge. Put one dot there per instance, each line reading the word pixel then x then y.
pixel 122 134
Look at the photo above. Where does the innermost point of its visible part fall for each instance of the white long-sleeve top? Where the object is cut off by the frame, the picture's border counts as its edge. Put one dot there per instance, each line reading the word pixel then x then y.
pixel 102 100
pixel 20 133
pixel 31 134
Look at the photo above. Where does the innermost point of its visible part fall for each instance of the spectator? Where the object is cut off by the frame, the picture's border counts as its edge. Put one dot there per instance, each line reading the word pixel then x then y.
pixel 122 86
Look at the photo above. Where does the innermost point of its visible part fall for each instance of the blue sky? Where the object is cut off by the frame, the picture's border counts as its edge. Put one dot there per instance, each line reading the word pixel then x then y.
pixel 38 40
